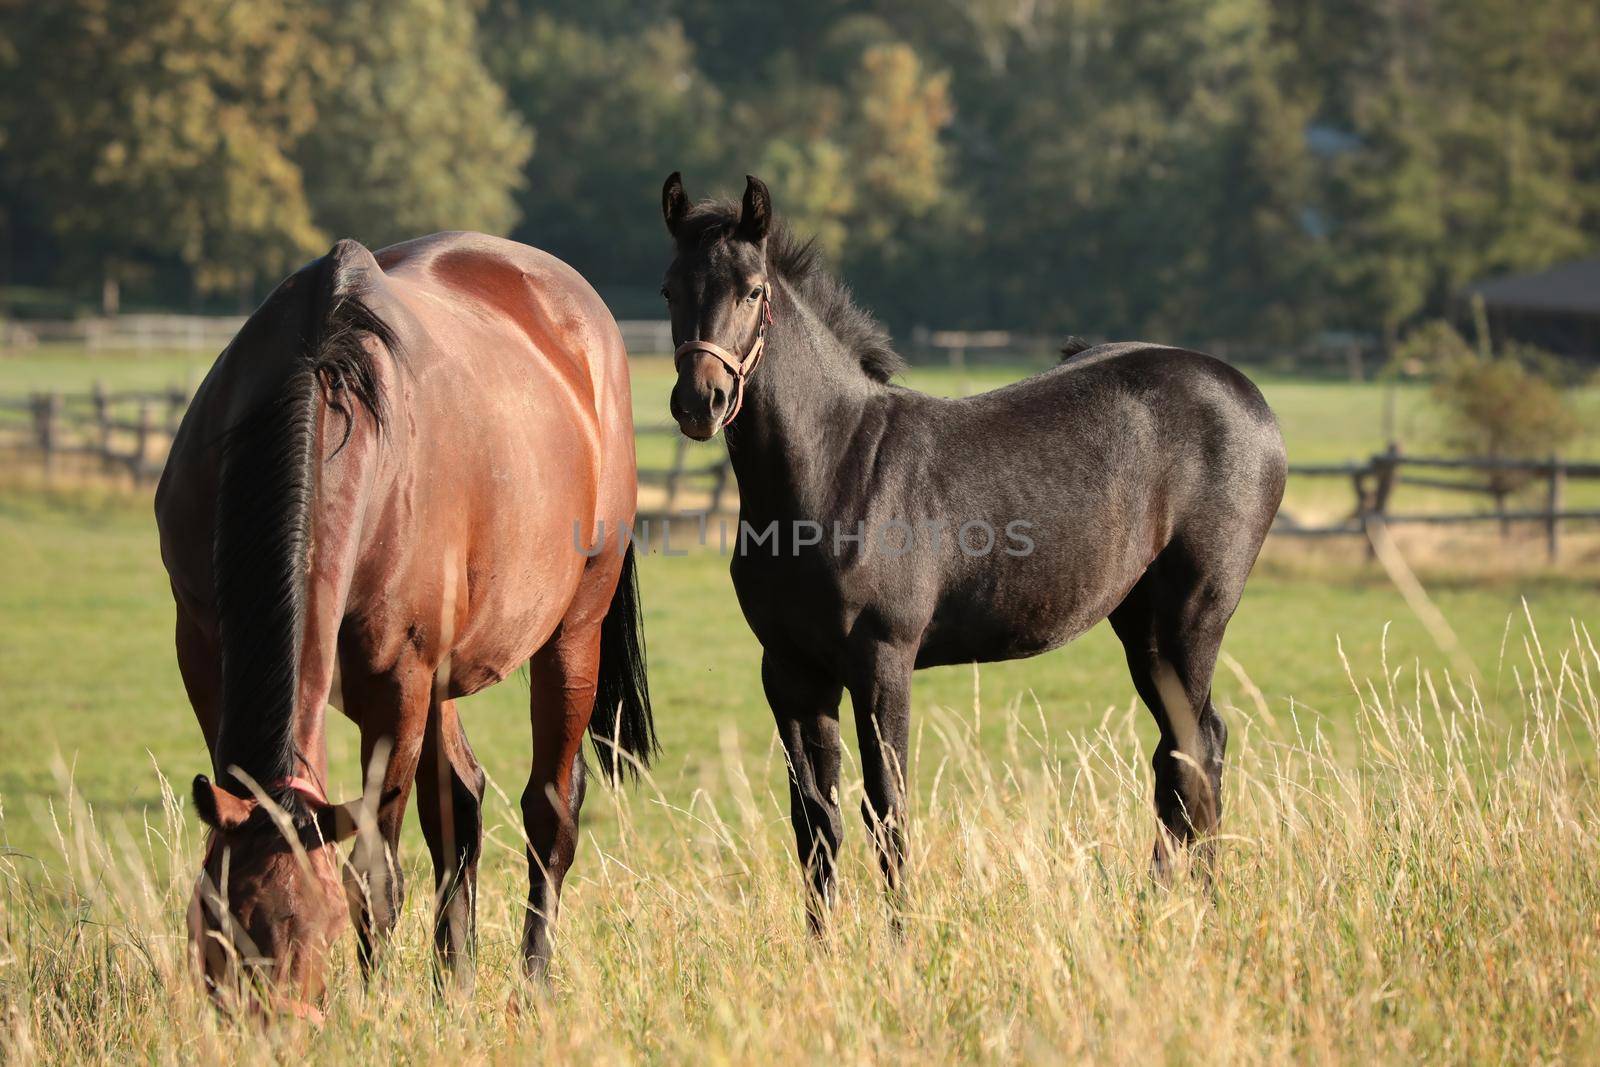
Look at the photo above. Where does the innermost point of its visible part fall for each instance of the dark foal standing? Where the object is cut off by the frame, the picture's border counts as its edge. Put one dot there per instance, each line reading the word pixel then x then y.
pixel 1135 482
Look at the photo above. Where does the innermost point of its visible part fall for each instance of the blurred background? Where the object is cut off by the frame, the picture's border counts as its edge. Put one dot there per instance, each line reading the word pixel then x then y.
pixel 1257 172
pixel 1388 211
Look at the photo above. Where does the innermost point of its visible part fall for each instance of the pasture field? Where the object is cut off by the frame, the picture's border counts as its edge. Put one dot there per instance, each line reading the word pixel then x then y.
pixel 1410 867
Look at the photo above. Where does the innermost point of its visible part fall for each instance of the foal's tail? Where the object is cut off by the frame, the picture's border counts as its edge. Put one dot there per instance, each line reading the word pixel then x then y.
pixel 623 731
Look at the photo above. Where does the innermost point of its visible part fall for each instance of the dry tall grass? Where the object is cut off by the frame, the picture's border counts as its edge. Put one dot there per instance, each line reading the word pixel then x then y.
pixel 1430 892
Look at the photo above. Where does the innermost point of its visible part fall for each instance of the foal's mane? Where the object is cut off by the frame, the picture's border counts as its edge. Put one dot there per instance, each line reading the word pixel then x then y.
pixel 800 264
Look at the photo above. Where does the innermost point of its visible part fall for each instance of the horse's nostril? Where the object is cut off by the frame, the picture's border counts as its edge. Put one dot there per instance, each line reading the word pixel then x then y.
pixel 719 401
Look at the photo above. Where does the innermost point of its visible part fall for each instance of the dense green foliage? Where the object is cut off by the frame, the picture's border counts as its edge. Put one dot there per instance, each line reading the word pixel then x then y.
pixel 1182 169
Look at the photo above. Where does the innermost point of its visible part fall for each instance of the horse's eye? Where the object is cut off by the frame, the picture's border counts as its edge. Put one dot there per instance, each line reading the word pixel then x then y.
pixel 666 295
pixel 755 294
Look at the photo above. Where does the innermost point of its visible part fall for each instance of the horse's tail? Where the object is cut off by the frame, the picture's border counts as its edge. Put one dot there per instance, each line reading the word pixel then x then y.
pixel 623 731
pixel 266 484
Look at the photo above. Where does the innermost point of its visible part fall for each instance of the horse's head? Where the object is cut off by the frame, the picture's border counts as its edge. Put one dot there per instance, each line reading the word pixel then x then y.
pixel 718 294
pixel 269 901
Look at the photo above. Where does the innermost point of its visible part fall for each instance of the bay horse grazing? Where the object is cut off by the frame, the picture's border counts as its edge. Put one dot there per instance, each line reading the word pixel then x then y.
pixel 883 530
pixel 383 480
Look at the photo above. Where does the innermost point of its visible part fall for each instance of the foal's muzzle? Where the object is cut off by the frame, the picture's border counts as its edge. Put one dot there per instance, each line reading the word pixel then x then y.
pixel 702 398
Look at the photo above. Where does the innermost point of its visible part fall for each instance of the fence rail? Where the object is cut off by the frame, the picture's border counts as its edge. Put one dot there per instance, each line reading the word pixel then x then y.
pixel 122 432
pixel 1375 480
pixel 129 432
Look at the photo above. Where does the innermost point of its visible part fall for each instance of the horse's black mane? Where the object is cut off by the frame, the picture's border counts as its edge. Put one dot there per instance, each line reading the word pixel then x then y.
pixel 262 538
pixel 800 264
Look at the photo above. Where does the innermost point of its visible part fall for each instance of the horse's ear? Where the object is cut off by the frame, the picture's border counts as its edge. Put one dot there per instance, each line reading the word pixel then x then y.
pixel 339 822
pixel 674 202
pixel 755 214
pixel 218 808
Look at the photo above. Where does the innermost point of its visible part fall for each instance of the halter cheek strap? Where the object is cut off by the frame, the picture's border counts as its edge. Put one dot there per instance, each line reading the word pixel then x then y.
pixel 739 368
pixel 304 786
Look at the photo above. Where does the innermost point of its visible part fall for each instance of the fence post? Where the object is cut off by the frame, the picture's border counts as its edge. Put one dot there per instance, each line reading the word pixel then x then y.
pixel 1375 503
pixel 100 400
pixel 679 453
pixel 142 442
pixel 1553 502
pixel 46 407
pixel 718 485
pixel 177 401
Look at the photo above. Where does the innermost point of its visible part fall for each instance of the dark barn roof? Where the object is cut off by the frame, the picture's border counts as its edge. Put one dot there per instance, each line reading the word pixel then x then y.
pixel 1573 288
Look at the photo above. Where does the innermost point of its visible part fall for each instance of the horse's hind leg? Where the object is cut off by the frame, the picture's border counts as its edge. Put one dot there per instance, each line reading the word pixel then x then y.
pixel 1171 626
pixel 562 688
pixel 450 806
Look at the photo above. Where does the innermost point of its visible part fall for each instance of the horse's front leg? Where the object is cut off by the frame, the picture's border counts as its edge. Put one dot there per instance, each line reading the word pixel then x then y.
pixel 392 710
pixel 881 695
pixel 805 704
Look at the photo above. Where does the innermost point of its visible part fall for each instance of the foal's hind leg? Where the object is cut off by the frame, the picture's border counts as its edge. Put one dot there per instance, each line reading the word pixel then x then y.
pixel 805 704
pixel 450 806
pixel 562 688
pixel 1171 626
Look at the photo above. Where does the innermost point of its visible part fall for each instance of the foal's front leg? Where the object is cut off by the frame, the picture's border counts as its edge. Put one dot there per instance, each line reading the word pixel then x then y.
pixel 881 695
pixel 805 704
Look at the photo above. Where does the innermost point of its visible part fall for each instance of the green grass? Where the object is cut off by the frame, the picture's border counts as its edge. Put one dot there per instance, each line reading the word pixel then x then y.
pixel 71 369
pixel 86 661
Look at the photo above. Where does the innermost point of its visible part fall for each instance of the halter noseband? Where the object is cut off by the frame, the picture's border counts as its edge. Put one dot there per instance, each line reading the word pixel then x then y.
pixel 739 368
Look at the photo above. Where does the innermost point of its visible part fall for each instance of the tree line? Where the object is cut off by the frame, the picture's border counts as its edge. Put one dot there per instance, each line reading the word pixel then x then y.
pixel 1181 169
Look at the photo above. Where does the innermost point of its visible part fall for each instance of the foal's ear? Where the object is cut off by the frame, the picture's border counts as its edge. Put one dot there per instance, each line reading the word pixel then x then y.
pixel 755 214
pixel 218 808
pixel 674 202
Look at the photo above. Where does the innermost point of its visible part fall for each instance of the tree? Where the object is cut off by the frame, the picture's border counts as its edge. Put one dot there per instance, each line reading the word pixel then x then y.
pixel 1498 405
pixel 412 134
pixel 1464 160
pixel 165 130
pixel 614 115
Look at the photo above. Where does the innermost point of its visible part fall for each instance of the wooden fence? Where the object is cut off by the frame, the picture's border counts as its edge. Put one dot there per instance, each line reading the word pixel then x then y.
pixel 1498 480
pixel 686 488
pixel 112 433
pixel 127 434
